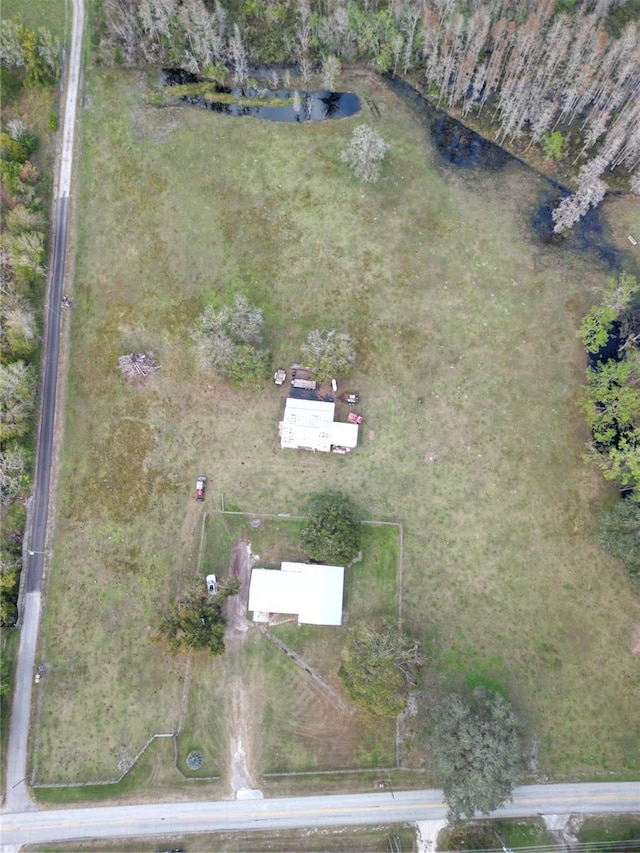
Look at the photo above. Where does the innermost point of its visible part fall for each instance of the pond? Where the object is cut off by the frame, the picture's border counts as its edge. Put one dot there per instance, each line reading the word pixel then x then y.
pixel 283 105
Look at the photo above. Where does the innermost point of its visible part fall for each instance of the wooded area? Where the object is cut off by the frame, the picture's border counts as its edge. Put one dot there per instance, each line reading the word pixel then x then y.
pixel 536 69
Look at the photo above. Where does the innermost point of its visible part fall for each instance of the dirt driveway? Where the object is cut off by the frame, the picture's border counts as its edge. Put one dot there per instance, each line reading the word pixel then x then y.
pixel 242 561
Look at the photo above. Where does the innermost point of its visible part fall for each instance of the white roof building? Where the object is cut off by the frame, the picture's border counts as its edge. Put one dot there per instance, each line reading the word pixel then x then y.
pixel 309 425
pixel 310 592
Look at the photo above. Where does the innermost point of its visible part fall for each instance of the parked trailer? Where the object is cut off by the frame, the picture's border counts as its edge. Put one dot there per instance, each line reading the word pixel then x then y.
pixel 306 384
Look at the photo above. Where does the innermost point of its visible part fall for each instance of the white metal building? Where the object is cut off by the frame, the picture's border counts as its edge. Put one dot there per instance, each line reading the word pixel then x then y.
pixel 310 425
pixel 310 592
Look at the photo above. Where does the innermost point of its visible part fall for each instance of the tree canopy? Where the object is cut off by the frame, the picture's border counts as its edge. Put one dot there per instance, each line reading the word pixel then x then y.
pixel 328 354
pixel 612 403
pixel 229 342
pixel 365 153
pixel 197 622
pixel 476 751
pixel 332 532
pixel 378 667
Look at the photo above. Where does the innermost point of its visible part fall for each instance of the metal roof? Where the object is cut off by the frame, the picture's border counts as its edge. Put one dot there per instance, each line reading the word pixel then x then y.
pixel 307 424
pixel 312 592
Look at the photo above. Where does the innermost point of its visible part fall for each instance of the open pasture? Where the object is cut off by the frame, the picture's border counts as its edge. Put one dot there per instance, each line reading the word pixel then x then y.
pixel 469 373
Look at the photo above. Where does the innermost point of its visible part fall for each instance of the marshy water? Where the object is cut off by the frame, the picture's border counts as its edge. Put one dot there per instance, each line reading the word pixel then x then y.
pixel 286 105
pixel 463 148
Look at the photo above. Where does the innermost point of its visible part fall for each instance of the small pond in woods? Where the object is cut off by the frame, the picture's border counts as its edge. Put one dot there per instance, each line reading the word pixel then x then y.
pixel 284 105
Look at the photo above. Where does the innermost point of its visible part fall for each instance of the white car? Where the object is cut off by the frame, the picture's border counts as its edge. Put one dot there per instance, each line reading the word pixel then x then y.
pixel 212 584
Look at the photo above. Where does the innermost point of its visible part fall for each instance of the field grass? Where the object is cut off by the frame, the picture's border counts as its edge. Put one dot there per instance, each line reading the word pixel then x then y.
pixel 604 832
pixel 469 373
pixel 495 835
pixel 364 839
pixel 51 14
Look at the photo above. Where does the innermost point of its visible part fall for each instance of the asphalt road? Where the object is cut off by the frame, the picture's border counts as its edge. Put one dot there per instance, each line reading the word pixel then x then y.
pixel 16 793
pixel 301 812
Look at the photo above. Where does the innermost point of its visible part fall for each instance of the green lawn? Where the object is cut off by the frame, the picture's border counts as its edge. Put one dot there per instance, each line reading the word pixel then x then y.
pixel 495 834
pixel 469 373
pixel 51 14
pixel 610 833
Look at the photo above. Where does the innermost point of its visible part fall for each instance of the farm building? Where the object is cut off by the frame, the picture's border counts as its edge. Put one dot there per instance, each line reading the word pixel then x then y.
pixel 310 592
pixel 310 425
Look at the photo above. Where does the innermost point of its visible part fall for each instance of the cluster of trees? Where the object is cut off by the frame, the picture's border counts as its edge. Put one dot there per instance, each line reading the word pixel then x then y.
pixel 332 533
pixel 230 343
pixel 612 408
pixel 22 270
pixel 33 59
pixel 538 69
pixel 612 404
pixel 37 53
pixel 197 623
pixel 328 354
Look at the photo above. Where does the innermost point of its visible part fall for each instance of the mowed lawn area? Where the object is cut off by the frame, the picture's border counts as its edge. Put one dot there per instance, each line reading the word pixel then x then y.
pixel 469 373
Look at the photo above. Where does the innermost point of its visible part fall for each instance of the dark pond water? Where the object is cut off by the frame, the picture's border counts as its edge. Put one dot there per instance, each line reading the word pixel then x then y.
pixel 610 350
pixel 589 234
pixel 312 106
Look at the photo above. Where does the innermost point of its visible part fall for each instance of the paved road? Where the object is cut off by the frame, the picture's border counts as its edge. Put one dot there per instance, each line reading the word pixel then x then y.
pixel 301 812
pixel 17 797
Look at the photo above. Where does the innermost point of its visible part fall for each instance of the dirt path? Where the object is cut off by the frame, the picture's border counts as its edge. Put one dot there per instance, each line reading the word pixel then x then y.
pixel 242 777
pixel 242 561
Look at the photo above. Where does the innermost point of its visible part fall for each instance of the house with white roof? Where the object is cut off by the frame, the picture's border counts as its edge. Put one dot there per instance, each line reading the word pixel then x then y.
pixel 311 592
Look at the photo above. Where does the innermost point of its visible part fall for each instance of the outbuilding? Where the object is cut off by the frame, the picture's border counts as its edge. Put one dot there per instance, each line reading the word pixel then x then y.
pixel 310 425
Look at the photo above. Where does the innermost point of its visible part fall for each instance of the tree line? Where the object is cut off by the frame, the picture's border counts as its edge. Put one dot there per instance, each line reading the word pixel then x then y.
pixel 542 72
pixel 31 59
pixel 611 335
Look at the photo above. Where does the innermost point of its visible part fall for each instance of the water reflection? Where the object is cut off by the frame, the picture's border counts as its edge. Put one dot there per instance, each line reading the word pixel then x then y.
pixel 294 106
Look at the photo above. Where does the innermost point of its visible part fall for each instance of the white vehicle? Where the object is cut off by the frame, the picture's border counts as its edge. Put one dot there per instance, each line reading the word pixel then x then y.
pixel 212 584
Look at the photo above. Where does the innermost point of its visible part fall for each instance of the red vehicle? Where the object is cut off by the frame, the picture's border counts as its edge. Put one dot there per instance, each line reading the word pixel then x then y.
pixel 355 418
pixel 201 487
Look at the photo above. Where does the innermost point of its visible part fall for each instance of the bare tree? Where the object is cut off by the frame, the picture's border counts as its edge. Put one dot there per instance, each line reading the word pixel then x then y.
pixel 365 153
pixel 330 71
pixel 12 470
pixel 239 61
pixel 590 192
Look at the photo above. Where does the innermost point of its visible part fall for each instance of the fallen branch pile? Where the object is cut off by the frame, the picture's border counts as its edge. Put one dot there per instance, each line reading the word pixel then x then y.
pixel 137 366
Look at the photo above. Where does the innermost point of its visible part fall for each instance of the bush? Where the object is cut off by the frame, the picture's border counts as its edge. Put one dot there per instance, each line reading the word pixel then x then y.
pixel 328 354
pixel 378 666
pixel 332 533
pixel 365 153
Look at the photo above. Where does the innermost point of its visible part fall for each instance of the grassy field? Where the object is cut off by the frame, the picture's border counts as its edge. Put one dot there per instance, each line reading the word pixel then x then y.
pixel 495 834
pixel 608 833
pixel 364 839
pixel 470 377
pixel 51 14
